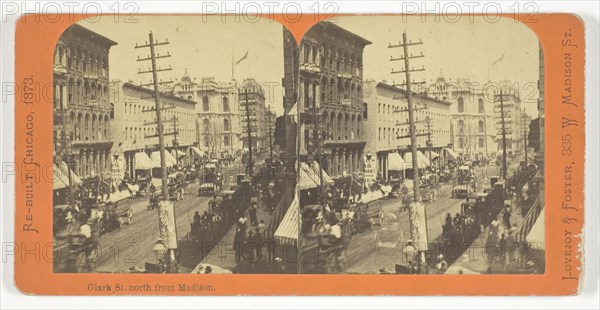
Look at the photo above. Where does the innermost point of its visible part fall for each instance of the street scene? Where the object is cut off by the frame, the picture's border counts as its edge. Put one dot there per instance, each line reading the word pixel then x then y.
pixel 420 147
pixel 175 160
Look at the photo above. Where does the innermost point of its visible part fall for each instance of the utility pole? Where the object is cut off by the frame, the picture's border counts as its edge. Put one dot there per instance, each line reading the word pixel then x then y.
pixel 503 135
pixel 417 216
pixel 270 145
pixel 250 165
pixel 166 212
pixel 67 150
pixel 317 141
pixel 525 135
pixel 175 141
pixel 429 141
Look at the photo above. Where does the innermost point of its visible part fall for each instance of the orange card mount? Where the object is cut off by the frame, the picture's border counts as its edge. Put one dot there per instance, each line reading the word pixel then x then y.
pixel 188 155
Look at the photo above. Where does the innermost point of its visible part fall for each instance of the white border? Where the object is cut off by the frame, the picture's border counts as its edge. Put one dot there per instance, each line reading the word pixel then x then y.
pixel 588 11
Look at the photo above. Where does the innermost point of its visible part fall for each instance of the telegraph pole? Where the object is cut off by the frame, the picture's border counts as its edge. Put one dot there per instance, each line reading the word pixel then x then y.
pixel 270 145
pixel 429 141
pixel 67 151
pixel 503 135
pixel 250 165
pixel 317 141
pixel 525 135
pixel 166 212
pixel 175 141
pixel 417 216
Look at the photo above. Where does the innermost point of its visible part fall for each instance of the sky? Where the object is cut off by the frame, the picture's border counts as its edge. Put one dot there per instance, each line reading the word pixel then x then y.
pixel 462 49
pixel 202 45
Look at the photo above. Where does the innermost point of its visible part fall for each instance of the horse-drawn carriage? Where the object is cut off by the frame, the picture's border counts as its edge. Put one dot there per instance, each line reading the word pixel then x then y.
pixel 113 215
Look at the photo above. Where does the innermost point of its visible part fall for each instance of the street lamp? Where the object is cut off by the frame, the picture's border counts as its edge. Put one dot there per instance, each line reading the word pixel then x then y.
pixel 409 252
pixel 159 251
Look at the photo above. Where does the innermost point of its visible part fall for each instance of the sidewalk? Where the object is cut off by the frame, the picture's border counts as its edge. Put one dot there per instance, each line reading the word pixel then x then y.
pixel 487 258
pixel 223 255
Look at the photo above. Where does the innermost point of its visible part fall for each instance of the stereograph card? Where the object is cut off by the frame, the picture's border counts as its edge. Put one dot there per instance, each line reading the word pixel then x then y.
pixel 343 155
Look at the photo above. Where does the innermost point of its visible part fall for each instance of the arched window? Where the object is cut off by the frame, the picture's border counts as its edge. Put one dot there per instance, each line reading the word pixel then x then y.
pixel 461 105
pixel 481 142
pixel 481 127
pixel 225 104
pixel 205 105
pixel 206 125
pixel 481 106
pixel 226 126
pixel 226 140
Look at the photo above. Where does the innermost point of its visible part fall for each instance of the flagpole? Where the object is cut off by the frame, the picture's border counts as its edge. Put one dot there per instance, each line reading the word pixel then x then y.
pixel 232 65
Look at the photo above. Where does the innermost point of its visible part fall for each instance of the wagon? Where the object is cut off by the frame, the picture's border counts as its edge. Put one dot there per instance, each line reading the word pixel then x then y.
pixel 113 215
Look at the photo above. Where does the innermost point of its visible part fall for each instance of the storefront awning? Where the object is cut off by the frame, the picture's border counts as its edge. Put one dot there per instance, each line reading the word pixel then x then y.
pixel 143 162
pixel 422 160
pixel 287 232
pixel 169 160
pixel 178 153
pixel 451 154
pixel 537 236
pixel 197 152
pixel 310 178
pixel 431 154
pixel 60 178
pixel 395 162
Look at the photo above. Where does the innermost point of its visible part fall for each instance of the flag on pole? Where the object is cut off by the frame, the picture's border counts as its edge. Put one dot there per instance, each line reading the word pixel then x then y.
pixel 243 58
pixel 499 59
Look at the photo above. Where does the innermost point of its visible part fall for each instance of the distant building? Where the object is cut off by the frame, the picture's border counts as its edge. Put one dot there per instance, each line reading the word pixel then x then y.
pixel 81 95
pixel 513 120
pixel 330 89
pixel 386 127
pixel 219 124
pixel 473 117
pixel 134 128
pixel 253 111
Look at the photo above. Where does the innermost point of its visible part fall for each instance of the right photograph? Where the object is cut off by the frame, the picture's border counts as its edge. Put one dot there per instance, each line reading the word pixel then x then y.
pixel 420 145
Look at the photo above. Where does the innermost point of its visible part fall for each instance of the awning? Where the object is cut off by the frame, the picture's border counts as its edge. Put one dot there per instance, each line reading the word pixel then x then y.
pixel 197 151
pixel 310 178
pixel 74 178
pixel 395 162
pixel 422 161
pixel 451 154
pixel 178 153
pixel 431 154
pixel 537 236
pixel 143 162
pixel 169 160
pixel 60 178
pixel 287 232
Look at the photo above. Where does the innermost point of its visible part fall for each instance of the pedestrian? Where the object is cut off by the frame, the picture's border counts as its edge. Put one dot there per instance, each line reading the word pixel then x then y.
pixel 506 218
pixel 259 239
pixel 441 265
pixel 250 246
pixel 261 225
pixel 253 217
pixel 238 242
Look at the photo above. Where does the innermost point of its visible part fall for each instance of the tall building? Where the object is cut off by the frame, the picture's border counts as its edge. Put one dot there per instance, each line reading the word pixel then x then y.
pixel 252 110
pixel 473 117
pixel 82 110
pixel 134 128
pixel 512 122
pixel 330 97
pixel 386 127
pixel 219 125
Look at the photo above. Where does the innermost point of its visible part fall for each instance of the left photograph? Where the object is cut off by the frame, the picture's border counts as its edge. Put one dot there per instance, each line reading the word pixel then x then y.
pixel 174 148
